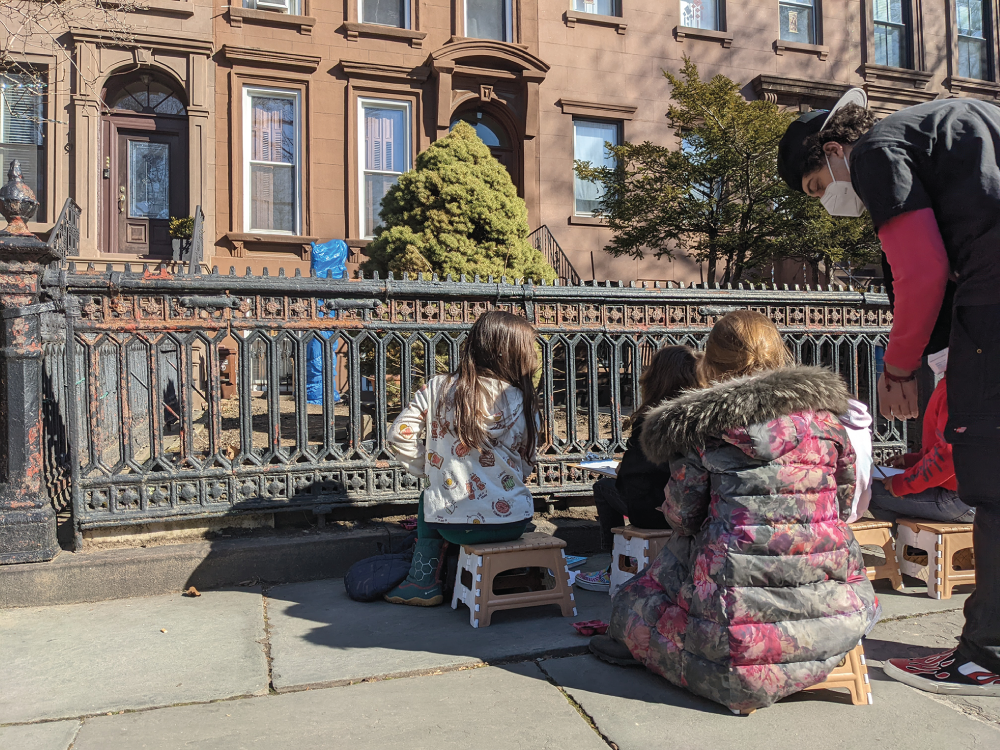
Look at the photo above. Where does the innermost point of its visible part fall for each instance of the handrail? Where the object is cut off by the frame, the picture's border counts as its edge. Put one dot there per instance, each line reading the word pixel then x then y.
pixel 543 241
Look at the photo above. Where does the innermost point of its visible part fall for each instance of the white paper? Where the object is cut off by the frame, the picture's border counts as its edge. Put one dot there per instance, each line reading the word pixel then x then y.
pixel 607 467
pixel 881 472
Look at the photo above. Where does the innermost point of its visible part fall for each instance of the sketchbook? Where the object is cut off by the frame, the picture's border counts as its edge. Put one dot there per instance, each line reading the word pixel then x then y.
pixel 884 472
pixel 607 467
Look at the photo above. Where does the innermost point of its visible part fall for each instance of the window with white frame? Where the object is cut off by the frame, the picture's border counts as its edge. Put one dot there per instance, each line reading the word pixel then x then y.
pixel 385 12
pixel 590 144
pixel 489 19
pixel 292 7
pixel 384 144
pixel 973 49
pixel 891 33
pixel 797 22
pixel 600 7
pixel 701 14
pixel 272 156
pixel 22 131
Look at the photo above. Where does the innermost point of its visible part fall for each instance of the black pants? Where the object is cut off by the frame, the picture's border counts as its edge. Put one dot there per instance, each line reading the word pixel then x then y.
pixel 612 509
pixel 974 431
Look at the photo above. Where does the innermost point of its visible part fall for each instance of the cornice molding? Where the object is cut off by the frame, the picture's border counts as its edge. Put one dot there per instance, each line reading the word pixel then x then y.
pixel 597 109
pixel 269 58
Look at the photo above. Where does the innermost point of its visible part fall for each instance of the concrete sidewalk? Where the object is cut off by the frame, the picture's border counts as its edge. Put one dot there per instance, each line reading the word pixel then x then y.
pixel 302 666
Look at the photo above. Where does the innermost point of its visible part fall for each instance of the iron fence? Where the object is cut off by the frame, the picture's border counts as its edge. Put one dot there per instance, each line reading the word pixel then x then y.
pixel 195 395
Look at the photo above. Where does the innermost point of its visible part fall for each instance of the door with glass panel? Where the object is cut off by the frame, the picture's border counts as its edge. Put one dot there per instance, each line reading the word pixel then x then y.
pixel 151 188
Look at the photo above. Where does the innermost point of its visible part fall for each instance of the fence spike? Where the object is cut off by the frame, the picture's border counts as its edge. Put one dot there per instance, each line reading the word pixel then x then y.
pixel 797 288
pixel 449 279
pixel 90 266
pixel 740 285
pixel 72 266
pixel 266 271
pixel 420 276
pixel 249 272
pixel 840 287
pixel 476 280
pixel 281 272
pixel 503 280
pixel 434 277
pixel 128 268
pixel 109 268
pixel 463 278
pixel 632 285
pixel 298 273
pixel 786 287
pixel 232 270
pixel 390 276
pixel 489 279
pixel 215 270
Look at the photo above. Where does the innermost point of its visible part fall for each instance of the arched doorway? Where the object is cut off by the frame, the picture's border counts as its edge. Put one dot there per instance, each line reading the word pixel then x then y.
pixel 144 132
pixel 497 136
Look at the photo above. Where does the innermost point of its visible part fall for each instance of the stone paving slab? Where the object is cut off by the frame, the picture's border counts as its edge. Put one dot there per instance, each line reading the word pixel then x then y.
pixel 80 659
pixel 494 708
pixel 53 735
pixel 320 637
pixel 916 637
pixel 637 710
pixel 913 599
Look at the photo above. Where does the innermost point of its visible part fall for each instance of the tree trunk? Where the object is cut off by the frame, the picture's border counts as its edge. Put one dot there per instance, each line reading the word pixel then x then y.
pixel 713 261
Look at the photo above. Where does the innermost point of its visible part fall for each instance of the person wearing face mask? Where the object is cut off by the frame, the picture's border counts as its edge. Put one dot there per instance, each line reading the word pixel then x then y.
pixel 929 176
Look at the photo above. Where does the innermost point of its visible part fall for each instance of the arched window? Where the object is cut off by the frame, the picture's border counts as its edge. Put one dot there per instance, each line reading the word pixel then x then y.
pixel 144 93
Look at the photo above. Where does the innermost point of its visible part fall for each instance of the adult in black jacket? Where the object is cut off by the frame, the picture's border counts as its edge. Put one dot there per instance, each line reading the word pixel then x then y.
pixel 637 492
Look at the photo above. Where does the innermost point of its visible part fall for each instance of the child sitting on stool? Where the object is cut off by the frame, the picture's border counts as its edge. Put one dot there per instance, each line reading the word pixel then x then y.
pixel 637 492
pixel 472 434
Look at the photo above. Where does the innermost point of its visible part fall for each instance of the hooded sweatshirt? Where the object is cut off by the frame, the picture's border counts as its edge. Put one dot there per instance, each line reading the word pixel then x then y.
pixel 467 485
pixel 858 422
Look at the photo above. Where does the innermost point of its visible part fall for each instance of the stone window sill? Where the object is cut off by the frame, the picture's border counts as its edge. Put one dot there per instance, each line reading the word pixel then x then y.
pixel 903 77
pixel 166 7
pixel 354 31
pixel 588 221
pixel 597 109
pixel 269 243
pixel 237 16
pixel 781 47
pixel 573 17
pixel 683 32
pixel 974 86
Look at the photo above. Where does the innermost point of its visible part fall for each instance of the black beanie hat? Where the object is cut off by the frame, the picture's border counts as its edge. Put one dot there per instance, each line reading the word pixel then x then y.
pixel 792 149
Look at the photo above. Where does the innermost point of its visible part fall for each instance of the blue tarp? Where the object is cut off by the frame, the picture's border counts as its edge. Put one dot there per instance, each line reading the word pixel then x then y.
pixel 329 261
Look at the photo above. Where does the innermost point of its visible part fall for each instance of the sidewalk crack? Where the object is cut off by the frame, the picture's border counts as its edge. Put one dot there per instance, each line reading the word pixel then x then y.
pixel 579 709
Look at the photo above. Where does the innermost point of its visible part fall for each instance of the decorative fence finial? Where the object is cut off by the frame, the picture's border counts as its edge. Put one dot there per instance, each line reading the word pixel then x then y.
pixel 17 202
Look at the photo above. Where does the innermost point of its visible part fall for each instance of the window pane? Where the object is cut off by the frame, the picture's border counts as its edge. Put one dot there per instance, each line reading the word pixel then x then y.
pixel 601 7
pixel 486 19
pixel 272 198
pixel 385 140
pixel 22 136
pixel 385 12
pixel 700 14
pixel 273 129
pixel 889 10
pixel 969 15
pixel 589 145
pixel 890 46
pixel 796 23
pixel 149 180
pixel 376 186
pixel 972 58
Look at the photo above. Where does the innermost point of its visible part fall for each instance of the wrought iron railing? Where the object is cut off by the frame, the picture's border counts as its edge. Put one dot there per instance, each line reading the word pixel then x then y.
pixel 187 396
pixel 543 241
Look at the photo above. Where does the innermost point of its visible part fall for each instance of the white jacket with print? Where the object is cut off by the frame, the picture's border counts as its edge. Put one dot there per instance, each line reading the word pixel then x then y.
pixel 466 485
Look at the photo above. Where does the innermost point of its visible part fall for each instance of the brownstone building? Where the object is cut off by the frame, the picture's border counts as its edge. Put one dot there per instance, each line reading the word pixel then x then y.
pixel 286 120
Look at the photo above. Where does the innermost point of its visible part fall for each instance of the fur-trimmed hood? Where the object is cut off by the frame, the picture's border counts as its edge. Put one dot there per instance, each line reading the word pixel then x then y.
pixel 688 421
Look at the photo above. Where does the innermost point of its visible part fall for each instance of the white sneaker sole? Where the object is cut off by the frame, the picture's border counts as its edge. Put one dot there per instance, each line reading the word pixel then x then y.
pixel 605 587
pixel 940 688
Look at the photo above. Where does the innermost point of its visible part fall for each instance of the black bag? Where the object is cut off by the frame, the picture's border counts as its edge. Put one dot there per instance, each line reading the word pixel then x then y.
pixel 368 579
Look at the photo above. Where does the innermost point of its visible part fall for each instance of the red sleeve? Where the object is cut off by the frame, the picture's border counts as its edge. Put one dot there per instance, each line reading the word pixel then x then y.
pixel 913 245
pixel 936 468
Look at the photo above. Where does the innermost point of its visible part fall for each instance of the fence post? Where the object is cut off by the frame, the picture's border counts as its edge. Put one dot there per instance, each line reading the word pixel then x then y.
pixel 27 519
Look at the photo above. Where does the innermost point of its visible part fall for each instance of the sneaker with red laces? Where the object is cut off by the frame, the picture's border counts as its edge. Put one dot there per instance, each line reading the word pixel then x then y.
pixel 946 673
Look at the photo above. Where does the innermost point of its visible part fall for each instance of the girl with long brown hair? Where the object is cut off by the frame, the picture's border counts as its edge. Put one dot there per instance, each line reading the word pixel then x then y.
pixel 637 492
pixel 472 434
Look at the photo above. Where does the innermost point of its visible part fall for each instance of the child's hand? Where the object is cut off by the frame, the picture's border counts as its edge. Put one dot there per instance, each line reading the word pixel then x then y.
pixel 896 462
pixel 887 483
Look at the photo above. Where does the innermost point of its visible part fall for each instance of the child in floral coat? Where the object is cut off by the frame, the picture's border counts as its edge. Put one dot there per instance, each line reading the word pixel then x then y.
pixel 762 591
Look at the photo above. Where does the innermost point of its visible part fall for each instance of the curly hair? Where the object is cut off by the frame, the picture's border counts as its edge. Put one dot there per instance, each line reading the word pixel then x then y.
pixel 845 127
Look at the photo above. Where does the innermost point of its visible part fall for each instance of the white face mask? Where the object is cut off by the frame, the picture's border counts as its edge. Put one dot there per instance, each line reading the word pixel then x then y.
pixel 840 198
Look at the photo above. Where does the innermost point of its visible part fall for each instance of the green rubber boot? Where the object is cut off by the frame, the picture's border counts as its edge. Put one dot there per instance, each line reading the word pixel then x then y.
pixel 422 587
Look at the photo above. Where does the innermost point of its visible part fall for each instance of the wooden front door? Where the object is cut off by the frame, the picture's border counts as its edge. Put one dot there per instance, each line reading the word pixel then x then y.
pixel 152 183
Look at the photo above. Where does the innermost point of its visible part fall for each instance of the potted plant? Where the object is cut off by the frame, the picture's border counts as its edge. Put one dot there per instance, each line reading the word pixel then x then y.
pixel 180 234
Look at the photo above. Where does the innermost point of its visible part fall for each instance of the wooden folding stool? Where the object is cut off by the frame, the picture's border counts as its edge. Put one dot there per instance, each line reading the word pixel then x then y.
pixel 944 540
pixel 879 534
pixel 479 566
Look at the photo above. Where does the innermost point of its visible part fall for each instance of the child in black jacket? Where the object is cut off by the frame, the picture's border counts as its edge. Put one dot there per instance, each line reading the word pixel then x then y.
pixel 637 492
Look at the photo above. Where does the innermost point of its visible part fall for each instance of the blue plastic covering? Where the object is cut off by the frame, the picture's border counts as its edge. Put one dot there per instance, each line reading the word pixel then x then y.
pixel 329 261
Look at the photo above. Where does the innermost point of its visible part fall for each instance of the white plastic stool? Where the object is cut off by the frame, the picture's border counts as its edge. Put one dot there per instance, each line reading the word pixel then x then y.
pixel 642 545
pixel 940 541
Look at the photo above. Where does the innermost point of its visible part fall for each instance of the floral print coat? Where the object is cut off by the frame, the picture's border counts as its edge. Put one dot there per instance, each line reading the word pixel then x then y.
pixel 762 591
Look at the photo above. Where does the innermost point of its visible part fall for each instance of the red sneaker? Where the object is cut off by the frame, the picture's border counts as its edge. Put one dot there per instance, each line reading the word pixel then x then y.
pixel 946 673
